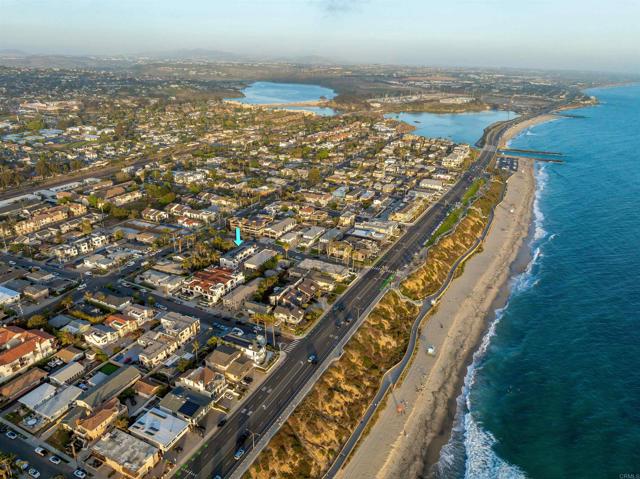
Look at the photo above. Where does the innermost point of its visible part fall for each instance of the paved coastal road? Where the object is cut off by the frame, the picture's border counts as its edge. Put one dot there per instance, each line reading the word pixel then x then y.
pixel 265 406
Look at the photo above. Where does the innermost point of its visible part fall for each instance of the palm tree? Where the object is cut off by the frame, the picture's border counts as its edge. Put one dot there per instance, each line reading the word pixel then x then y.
pixel 6 460
pixel 195 345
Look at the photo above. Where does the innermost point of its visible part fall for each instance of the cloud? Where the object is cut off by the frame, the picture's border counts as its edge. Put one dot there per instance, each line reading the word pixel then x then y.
pixel 340 7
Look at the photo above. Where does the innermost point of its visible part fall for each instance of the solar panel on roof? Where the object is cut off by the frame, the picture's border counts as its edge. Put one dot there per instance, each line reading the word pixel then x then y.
pixel 189 408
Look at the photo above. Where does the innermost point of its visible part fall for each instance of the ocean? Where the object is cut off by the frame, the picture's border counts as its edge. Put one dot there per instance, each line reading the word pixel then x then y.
pixel 554 390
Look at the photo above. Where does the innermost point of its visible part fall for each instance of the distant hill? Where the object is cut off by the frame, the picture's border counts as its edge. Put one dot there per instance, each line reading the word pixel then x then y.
pixel 10 52
pixel 195 54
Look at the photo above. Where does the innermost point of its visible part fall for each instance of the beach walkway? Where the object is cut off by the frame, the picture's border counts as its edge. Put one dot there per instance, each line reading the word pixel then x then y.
pixel 416 419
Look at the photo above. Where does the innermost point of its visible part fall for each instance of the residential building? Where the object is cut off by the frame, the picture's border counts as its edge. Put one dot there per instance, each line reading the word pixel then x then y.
pixel 8 296
pixel 212 283
pixel 157 346
pixel 154 215
pixel 431 184
pixel 205 381
pixel 159 428
pixel 20 348
pixel 67 374
pixel 234 258
pixel 101 335
pixel 22 384
pixel 122 324
pixel 126 454
pixel 279 228
pixel 36 292
pixel 140 313
pixel 91 425
pixel 50 402
pixel 180 326
pixel 311 235
pixel 167 283
pixel 237 298
pixel 112 386
pixel 289 314
pixel 222 357
pixel 187 404
pixel 257 260
pixel 254 349
pixel 336 271
pixel 253 227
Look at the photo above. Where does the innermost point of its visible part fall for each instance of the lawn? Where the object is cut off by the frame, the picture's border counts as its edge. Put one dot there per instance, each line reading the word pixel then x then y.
pixel 109 369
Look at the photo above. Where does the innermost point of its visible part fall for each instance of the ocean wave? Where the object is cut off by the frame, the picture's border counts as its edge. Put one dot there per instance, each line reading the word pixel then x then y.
pixel 469 451
pixel 542 178
pixel 482 461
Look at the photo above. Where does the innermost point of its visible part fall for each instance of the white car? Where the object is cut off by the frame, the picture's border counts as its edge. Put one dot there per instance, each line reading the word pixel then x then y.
pixel 237 331
pixel 34 472
pixel 55 460
pixel 80 473
pixel 40 451
pixel 12 263
pixel 11 434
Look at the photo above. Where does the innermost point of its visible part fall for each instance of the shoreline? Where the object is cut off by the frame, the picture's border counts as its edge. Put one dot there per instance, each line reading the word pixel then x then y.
pixel 408 445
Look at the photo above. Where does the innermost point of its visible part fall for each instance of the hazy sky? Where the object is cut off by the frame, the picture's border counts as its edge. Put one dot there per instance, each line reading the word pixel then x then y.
pixel 567 34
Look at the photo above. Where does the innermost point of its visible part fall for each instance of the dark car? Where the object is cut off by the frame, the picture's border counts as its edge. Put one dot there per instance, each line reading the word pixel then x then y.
pixel 222 422
pixel 312 359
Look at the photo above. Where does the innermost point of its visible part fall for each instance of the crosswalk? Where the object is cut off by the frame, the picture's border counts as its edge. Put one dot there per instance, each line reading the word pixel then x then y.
pixel 290 346
pixel 384 269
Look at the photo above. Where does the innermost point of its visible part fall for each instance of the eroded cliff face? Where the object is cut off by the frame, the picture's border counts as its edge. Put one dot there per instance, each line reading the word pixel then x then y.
pixel 427 279
pixel 309 441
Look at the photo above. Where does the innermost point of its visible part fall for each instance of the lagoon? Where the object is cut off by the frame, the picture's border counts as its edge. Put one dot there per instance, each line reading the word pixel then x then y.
pixel 459 127
pixel 265 93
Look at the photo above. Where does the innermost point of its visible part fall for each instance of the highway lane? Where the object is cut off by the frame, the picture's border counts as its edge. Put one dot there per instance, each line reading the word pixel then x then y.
pixel 246 425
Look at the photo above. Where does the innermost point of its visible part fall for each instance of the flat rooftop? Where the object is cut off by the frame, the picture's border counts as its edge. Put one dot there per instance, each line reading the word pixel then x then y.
pixel 159 428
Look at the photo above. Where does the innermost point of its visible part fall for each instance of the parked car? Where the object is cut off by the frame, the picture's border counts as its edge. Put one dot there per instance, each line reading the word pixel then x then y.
pixel 33 472
pixel 11 435
pixel 55 460
pixel 222 422
pixel 80 473
pixel 237 331
pixel 41 451
pixel 312 359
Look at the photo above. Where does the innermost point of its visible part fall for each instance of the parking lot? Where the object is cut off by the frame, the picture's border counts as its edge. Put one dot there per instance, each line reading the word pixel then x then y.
pixel 508 163
pixel 25 451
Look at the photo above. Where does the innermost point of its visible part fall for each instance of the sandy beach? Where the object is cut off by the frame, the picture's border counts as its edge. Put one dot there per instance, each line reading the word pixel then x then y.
pixel 418 416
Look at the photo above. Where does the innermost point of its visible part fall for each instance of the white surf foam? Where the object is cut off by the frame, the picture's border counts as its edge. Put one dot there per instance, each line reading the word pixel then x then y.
pixel 542 178
pixel 482 462
pixel 470 448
